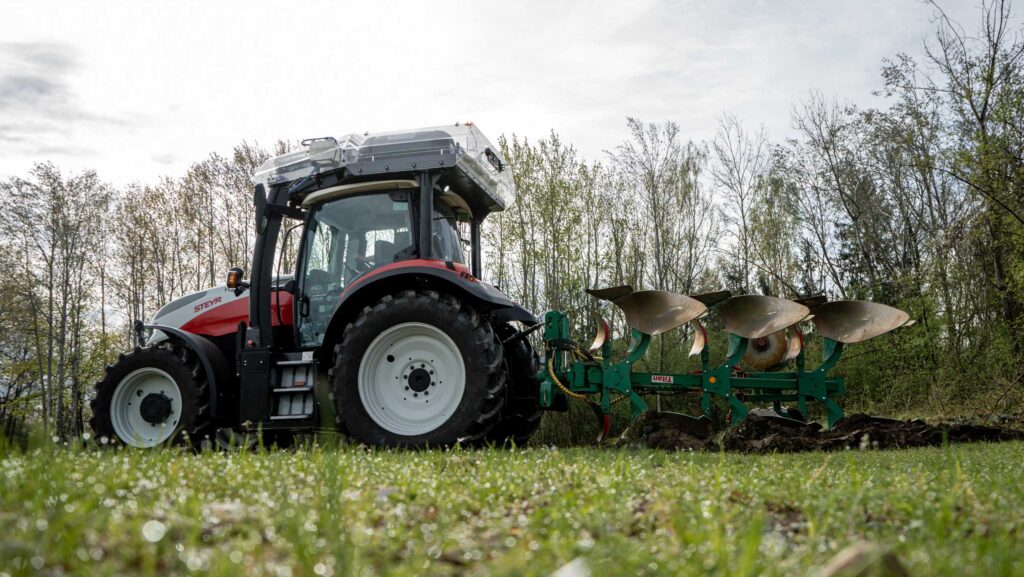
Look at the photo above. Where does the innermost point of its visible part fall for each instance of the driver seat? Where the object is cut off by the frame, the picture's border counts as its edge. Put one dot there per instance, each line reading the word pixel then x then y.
pixel 383 252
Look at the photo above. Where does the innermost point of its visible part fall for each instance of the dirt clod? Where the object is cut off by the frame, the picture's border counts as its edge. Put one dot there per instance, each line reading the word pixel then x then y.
pixel 668 431
pixel 763 433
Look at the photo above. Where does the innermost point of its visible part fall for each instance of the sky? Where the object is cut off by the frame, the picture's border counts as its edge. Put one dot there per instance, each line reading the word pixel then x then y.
pixel 138 90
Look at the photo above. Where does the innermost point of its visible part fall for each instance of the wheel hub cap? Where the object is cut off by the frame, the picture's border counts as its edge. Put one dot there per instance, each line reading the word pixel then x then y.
pixel 760 344
pixel 155 408
pixel 419 380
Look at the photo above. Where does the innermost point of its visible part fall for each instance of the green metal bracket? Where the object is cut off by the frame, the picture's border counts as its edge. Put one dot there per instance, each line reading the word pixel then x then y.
pixel 718 380
pixel 556 329
pixel 815 384
pixel 639 342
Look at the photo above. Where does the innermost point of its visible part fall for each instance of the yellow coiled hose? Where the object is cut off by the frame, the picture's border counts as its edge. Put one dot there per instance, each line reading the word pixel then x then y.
pixel 572 394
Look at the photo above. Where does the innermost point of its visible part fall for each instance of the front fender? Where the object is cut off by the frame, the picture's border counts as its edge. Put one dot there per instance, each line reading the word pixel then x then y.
pixel 216 366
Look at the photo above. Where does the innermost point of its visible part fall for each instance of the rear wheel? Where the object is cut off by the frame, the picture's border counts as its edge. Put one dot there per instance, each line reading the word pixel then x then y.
pixel 521 415
pixel 152 396
pixel 418 369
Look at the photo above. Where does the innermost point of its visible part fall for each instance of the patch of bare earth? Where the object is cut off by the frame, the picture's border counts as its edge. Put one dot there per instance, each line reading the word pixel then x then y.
pixel 760 433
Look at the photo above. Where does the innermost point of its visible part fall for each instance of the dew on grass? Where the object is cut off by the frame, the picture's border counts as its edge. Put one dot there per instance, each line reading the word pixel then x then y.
pixel 153 530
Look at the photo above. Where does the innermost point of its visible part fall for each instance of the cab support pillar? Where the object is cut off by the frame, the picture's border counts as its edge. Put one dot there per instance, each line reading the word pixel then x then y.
pixel 426 183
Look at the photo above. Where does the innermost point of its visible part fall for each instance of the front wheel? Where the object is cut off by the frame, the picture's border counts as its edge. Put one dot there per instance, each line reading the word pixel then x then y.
pixel 418 369
pixel 151 396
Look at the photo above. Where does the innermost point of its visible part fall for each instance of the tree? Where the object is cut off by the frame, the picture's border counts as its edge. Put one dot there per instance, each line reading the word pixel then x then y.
pixel 740 172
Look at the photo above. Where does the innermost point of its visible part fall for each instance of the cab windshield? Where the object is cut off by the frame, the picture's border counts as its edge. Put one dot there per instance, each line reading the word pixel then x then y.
pixel 348 238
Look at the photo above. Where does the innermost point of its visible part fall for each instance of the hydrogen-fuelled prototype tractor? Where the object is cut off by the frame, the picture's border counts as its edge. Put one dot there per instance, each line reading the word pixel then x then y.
pixel 383 332
pixel 381 329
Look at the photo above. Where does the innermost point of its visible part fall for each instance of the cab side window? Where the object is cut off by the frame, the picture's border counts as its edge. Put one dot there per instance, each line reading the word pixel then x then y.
pixel 347 238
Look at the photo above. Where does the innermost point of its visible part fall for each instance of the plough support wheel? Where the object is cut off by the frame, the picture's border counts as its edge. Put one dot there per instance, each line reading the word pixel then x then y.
pixel 766 352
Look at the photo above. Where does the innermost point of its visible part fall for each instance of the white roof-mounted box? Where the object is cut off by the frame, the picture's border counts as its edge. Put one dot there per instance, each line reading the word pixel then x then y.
pixel 385 153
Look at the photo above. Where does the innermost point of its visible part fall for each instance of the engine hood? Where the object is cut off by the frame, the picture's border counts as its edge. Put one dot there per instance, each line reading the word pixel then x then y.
pixel 188 311
pixel 180 308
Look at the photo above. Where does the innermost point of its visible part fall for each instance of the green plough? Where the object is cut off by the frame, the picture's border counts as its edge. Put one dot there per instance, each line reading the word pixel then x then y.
pixel 764 340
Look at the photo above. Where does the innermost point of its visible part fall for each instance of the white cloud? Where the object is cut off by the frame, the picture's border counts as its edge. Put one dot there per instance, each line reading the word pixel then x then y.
pixel 153 86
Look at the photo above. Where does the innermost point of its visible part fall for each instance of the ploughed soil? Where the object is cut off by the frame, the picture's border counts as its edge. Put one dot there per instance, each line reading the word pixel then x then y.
pixel 762 432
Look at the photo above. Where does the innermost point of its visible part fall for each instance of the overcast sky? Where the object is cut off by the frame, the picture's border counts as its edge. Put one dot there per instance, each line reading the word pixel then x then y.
pixel 141 89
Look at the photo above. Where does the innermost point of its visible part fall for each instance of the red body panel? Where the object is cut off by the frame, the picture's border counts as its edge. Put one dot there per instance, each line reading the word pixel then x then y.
pixel 224 319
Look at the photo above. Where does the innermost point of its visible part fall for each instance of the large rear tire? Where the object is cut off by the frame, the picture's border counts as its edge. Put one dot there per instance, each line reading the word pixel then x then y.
pixel 521 415
pixel 152 396
pixel 418 369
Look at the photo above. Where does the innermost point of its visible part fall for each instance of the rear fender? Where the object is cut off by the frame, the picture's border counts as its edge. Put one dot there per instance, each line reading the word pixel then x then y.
pixel 218 372
pixel 484 297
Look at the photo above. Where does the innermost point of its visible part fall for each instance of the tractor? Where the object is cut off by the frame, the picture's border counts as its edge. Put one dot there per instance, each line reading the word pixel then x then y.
pixel 380 330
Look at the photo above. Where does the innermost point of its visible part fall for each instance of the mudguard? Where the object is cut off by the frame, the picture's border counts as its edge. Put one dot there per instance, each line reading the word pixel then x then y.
pixel 425 274
pixel 213 361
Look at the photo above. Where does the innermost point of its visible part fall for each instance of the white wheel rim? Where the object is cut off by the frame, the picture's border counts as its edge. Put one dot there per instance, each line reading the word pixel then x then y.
pixel 391 373
pixel 126 407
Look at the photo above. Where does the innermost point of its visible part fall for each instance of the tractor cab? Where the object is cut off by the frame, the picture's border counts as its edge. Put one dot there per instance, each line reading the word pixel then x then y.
pixel 383 202
pixel 352 235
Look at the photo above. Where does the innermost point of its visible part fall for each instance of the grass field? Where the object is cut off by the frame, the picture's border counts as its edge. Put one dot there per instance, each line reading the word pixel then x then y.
pixel 348 511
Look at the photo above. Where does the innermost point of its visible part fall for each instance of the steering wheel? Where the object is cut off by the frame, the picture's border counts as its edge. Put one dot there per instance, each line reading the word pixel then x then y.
pixel 322 278
pixel 364 263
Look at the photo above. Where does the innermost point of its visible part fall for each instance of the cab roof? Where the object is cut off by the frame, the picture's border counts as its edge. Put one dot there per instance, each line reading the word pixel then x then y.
pixel 468 164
